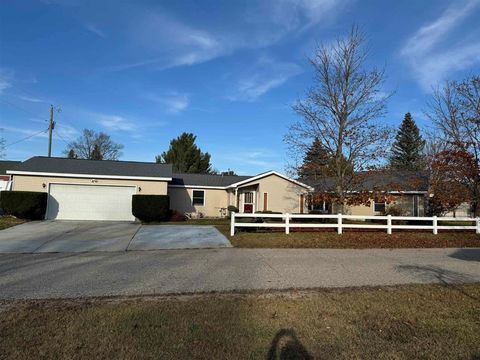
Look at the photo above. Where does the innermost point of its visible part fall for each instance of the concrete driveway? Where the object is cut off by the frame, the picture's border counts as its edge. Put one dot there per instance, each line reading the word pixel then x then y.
pixel 86 236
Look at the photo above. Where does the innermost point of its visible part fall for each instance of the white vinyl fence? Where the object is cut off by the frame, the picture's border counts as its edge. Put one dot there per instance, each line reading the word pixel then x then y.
pixel 285 221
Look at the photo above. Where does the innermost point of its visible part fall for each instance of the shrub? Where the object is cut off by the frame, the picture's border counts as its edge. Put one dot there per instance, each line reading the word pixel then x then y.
pixel 149 208
pixel 28 205
pixel 394 210
pixel 177 216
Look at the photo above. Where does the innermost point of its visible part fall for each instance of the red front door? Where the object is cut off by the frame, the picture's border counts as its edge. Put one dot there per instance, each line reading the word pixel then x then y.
pixel 248 201
pixel 248 208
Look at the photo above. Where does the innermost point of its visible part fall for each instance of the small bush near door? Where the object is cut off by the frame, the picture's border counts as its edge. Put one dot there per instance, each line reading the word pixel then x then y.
pixel 28 205
pixel 150 208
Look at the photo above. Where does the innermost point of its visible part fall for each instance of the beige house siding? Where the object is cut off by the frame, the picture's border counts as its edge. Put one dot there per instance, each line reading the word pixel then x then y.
pixel 464 210
pixel 35 183
pixel 216 201
pixel 405 202
pixel 360 210
pixel 283 195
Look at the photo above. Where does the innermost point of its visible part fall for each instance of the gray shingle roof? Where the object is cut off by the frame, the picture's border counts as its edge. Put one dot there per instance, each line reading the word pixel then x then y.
pixel 206 179
pixel 95 167
pixel 7 165
pixel 379 180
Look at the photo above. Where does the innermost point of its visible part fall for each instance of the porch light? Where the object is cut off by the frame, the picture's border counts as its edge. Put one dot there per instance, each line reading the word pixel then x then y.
pixel 44 185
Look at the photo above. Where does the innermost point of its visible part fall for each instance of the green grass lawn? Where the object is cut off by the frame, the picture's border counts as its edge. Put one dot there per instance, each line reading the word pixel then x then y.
pixel 420 321
pixel 9 221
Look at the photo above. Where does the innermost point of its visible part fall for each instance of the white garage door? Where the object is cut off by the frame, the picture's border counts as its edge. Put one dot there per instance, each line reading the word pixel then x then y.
pixel 90 202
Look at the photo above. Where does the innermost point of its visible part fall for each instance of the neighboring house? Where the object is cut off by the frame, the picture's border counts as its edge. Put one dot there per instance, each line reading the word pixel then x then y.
pixel 5 178
pixel 102 190
pixel 409 190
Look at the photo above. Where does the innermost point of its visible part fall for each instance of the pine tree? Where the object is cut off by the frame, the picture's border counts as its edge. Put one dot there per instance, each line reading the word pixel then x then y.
pixel 185 156
pixel 406 152
pixel 316 162
pixel 96 153
pixel 71 154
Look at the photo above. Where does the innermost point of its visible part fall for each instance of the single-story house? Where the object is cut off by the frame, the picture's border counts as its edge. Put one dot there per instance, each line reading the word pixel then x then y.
pixel 407 191
pixel 5 179
pixel 102 190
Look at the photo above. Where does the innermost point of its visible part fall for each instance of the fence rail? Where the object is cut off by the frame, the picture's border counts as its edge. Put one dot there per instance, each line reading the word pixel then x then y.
pixel 339 224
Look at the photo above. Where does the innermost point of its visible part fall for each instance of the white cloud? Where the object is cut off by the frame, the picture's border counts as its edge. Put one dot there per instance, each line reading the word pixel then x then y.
pixel 431 53
pixel 265 75
pixel 6 78
pixel 67 132
pixel 174 102
pixel 30 99
pixel 95 30
pixel 164 41
pixel 115 122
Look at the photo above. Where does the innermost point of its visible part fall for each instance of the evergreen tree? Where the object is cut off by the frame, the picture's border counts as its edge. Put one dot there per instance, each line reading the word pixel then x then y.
pixel 316 162
pixel 71 154
pixel 406 152
pixel 96 153
pixel 185 156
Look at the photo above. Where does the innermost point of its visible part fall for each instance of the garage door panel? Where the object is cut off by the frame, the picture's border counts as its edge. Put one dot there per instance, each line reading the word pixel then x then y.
pixel 90 202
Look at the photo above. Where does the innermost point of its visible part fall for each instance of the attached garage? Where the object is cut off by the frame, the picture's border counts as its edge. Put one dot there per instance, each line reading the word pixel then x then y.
pixel 90 189
pixel 90 202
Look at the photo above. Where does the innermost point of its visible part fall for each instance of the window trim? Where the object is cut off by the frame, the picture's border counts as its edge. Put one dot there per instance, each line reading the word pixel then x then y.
pixel 193 198
pixel 384 203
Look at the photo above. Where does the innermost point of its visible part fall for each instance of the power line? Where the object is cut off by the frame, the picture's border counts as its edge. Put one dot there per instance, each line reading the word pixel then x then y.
pixel 62 138
pixel 26 138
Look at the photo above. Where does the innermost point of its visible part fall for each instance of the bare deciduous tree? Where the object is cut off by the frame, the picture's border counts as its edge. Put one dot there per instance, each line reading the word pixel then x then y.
pixel 94 146
pixel 340 110
pixel 455 110
pixel 2 148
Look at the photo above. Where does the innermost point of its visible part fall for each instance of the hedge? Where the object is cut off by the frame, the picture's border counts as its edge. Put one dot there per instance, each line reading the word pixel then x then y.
pixel 150 208
pixel 29 205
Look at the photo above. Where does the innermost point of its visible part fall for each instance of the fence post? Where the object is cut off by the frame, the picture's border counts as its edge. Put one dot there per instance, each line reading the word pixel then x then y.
pixel 389 224
pixel 287 223
pixel 478 225
pixel 435 225
pixel 339 223
pixel 232 223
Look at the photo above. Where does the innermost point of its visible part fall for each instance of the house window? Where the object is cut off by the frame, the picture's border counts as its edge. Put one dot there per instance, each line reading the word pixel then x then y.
pixel 248 198
pixel 198 197
pixel 379 206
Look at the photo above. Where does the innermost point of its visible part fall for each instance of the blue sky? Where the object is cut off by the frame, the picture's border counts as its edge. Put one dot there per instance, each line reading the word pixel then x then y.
pixel 228 71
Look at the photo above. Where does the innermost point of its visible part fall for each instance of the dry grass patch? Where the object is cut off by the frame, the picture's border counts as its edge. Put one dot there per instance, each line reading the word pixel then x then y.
pixel 349 239
pixel 7 221
pixel 422 321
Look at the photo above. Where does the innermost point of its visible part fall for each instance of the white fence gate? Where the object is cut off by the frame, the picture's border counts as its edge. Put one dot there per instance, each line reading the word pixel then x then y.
pixel 339 224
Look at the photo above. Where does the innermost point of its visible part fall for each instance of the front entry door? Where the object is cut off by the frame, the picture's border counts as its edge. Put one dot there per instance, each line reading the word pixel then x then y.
pixel 248 202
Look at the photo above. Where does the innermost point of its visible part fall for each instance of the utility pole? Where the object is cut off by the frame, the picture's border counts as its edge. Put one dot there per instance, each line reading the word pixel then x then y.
pixel 51 126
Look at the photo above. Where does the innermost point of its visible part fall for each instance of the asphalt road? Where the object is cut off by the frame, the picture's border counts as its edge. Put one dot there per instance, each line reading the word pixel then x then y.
pixel 49 275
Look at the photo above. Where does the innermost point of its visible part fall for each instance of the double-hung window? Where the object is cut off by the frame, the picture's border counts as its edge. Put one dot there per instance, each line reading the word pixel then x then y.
pixel 198 197
pixel 379 206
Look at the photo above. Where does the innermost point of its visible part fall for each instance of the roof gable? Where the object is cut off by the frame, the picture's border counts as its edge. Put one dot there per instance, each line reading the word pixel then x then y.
pixel 270 173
